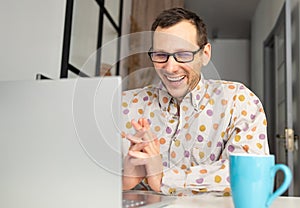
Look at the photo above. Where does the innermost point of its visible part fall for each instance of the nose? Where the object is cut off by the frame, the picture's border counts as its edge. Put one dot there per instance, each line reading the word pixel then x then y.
pixel 171 65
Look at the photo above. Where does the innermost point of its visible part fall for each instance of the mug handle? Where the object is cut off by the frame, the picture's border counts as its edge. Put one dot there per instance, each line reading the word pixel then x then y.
pixel 284 186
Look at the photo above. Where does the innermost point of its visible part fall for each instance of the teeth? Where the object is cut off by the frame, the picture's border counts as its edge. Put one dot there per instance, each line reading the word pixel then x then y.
pixel 174 79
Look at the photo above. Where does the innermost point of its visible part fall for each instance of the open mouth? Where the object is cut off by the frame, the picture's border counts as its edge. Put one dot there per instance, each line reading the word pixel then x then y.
pixel 175 79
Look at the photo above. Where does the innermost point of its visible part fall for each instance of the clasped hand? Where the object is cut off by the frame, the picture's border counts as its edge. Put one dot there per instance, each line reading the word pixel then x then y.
pixel 144 152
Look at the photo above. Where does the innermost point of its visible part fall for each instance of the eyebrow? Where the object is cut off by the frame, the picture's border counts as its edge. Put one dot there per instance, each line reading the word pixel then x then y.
pixel 174 51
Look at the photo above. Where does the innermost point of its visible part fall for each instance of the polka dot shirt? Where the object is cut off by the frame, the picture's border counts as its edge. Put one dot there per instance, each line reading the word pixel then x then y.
pixel 215 119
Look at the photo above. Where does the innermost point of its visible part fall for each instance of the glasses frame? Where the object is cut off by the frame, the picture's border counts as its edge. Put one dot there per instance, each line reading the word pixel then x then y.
pixel 150 52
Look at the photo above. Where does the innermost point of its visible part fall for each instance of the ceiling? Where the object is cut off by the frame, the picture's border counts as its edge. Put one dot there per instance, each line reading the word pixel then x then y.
pixel 225 19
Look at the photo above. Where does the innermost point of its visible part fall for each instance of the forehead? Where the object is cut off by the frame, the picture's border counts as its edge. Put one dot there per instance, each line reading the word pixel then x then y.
pixel 182 35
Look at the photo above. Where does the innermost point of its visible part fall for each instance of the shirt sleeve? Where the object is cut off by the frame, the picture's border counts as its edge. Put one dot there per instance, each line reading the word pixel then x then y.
pixel 197 179
pixel 245 133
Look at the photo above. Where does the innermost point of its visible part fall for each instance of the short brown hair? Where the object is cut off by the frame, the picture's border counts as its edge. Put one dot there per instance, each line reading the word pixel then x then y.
pixel 172 16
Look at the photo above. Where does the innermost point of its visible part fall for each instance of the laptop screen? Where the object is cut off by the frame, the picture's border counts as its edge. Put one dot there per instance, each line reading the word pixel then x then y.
pixel 59 143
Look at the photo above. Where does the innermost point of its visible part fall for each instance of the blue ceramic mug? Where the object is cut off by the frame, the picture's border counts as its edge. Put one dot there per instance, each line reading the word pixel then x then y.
pixel 252 180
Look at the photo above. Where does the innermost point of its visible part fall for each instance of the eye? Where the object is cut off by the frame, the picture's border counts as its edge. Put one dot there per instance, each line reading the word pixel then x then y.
pixel 159 55
pixel 184 55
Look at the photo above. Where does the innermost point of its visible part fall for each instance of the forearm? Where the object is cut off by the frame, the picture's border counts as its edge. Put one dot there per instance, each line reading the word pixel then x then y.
pixel 132 174
pixel 130 182
pixel 154 182
pixel 154 171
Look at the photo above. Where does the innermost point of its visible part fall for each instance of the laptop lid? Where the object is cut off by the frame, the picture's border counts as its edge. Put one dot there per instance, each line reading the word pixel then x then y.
pixel 60 143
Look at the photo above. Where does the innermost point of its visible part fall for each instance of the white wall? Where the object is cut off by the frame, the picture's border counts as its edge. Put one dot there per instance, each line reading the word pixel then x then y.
pixel 231 58
pixel 31 38
pixel 85 35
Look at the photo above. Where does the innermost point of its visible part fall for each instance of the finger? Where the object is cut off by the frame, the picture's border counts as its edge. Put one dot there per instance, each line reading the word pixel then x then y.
pixel 157 144
pixel 137 154
pixel 153 148
pixel 136 139
pixel 140 121
pixel 148 136
pixel 151 151
pixel 133 139
pixel 146 124
pixel 136 125
pixel 151 145
pixel 154 144
pixel 141 135
pixel 138 147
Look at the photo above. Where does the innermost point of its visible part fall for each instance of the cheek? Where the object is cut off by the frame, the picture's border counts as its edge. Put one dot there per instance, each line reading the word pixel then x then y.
pixel 194 68
pixel 158 66
pixel 193 73
pixel 198 60
pixel 193 80
pixel 194 77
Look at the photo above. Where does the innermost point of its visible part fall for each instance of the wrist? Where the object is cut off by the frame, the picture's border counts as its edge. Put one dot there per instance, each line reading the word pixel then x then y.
pixel 154 166
pixel 155 181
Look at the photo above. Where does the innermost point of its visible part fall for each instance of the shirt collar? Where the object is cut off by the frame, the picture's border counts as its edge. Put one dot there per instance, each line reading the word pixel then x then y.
pixel 193 98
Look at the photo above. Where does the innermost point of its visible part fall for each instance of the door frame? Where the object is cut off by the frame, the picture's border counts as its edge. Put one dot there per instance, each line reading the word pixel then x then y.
pixel 270 90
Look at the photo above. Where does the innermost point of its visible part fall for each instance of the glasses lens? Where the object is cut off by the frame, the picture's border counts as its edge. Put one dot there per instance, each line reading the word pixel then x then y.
pixel 159 56
pixel 184 56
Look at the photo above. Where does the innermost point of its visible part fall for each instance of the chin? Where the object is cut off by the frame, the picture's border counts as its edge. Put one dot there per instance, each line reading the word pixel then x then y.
pixel 177 95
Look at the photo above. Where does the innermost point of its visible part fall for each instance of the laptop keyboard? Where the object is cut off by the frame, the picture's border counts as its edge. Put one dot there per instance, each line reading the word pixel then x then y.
pixel 133 203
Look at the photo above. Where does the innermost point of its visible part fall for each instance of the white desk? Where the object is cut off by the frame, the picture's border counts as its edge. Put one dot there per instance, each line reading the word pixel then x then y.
pixel 226 202
pixel 205 200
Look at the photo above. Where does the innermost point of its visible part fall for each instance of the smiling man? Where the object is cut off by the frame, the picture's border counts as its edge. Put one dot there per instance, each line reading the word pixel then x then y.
pixel 178 135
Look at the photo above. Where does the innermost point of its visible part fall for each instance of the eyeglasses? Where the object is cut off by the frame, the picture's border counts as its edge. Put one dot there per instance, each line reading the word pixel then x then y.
pixel 180 56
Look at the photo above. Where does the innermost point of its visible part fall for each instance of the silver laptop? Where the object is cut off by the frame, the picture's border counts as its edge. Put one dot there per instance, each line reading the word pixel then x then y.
pixel 60 143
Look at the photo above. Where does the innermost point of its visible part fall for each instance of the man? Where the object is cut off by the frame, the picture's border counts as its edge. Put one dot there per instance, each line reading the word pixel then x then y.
pixel 182 131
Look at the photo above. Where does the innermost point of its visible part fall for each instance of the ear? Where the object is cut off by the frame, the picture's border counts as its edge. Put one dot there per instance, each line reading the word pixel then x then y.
pixel 206 54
